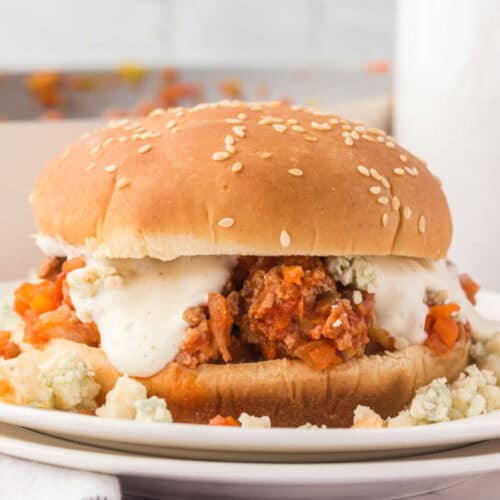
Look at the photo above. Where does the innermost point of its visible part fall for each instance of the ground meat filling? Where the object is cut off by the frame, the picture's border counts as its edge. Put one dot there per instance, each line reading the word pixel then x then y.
pixel 279 307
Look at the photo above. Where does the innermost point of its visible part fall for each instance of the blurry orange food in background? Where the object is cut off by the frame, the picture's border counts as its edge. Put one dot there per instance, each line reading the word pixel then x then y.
pixel 231 88
pixel 378 67
pixel 46 88
pixel 132 73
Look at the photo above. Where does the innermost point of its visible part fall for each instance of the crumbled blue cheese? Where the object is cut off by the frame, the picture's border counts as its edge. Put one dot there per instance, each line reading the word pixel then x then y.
pixel 365 417
pixel 353 270
pixel 152 409
pixel 486 354
pixel 474 393
pixel 432 403
pixel 60 381
pixel 247 420
pixel 120 401
pixel 71 381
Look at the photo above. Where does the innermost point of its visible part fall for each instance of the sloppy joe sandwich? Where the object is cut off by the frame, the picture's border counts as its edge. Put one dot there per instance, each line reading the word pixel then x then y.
pixel 251 258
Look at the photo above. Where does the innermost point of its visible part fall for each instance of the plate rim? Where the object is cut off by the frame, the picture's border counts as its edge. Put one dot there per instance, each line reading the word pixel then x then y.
pixel 26 444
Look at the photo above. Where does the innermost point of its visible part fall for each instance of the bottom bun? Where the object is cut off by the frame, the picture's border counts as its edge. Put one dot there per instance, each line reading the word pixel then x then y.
pixel 287 391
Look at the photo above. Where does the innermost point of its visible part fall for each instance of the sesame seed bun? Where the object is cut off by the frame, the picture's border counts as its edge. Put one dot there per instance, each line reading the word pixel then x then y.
pixel 235 178
pixel 287 391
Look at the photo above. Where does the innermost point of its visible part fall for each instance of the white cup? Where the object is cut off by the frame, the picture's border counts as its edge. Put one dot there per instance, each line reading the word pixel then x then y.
pixel 447 111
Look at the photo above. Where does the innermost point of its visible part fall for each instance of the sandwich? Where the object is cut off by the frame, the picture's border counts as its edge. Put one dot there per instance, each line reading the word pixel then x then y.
pixel 253 258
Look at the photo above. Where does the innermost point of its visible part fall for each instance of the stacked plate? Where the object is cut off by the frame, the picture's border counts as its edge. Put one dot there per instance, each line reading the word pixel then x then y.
pixel 218 462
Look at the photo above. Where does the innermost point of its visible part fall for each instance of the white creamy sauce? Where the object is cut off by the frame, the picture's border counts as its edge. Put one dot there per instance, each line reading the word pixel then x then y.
pixel 137 305
pixel 55 247
pixel 400 291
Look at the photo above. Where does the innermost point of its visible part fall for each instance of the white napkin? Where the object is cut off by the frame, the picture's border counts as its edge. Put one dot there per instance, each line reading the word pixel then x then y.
pixel 25 480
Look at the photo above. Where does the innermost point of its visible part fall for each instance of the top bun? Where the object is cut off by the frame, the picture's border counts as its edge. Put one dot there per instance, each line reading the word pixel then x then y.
pixel 236 178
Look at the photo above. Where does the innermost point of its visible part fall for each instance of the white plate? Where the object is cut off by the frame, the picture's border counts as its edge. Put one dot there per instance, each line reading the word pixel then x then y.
pixel 280 445
pixel 230 443
pixel 379 479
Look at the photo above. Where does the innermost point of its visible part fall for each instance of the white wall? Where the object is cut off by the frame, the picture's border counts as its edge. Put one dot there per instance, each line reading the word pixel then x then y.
pixel 100 33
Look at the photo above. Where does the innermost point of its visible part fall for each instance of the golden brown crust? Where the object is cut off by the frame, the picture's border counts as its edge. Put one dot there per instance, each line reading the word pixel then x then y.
pixel 167 194
pixel 289 392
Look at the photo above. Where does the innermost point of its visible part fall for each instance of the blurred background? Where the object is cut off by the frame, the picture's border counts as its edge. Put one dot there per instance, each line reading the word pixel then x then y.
pixel 425 70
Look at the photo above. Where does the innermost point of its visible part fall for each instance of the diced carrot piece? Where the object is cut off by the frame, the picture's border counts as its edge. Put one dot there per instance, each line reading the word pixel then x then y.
pixel 293 274
pixel 318 355
pixel 37 297
pixel 72 264
pixel 443 310
pixel 470 287
pixel 5 388
pixel 224 421
pixel 447 329
pixel 434 342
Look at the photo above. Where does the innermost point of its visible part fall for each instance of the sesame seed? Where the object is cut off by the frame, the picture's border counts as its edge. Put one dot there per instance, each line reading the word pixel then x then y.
pixel 390 144
pixel 355 135
pixel 348 141
pixel 156 112
pixel 285 239
pixel 345 135
pixel 298 128
pixel 374 173
pixel 368 137
pixel 380 138
pixel 296 172
pixel 122 183
pixel 229 139
pixel 279 127
pixel 383 200
pixel 179 113
pixel 357 298
pixel 138 130
pixel 237 167
pixel 385 219
pixel 412 171
pixel 171 124
pixel 239 131
pixel 226 222
pixel 264 154
pixel 144 149
pixel 310 138
pixel 242 116
pixel 376 131
pixel 220 155
pixel 333 121
pixel 384 182
pixel 421 224
pixel 375 189
pixel 407 212
pixel 90 166
pixel 399 171
pixel 321 126
pixel 360 128
pixel 346 126
pixel 292 121
pixel 256 107
pixel 123 138
pixel 269 120
pixel 296 107
pixel 65 153
pixel 403 158
pixel 95 149
pixel 230 148
pixel 363 170
pixel 395 203
pixel 111 168
pixel 232 120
